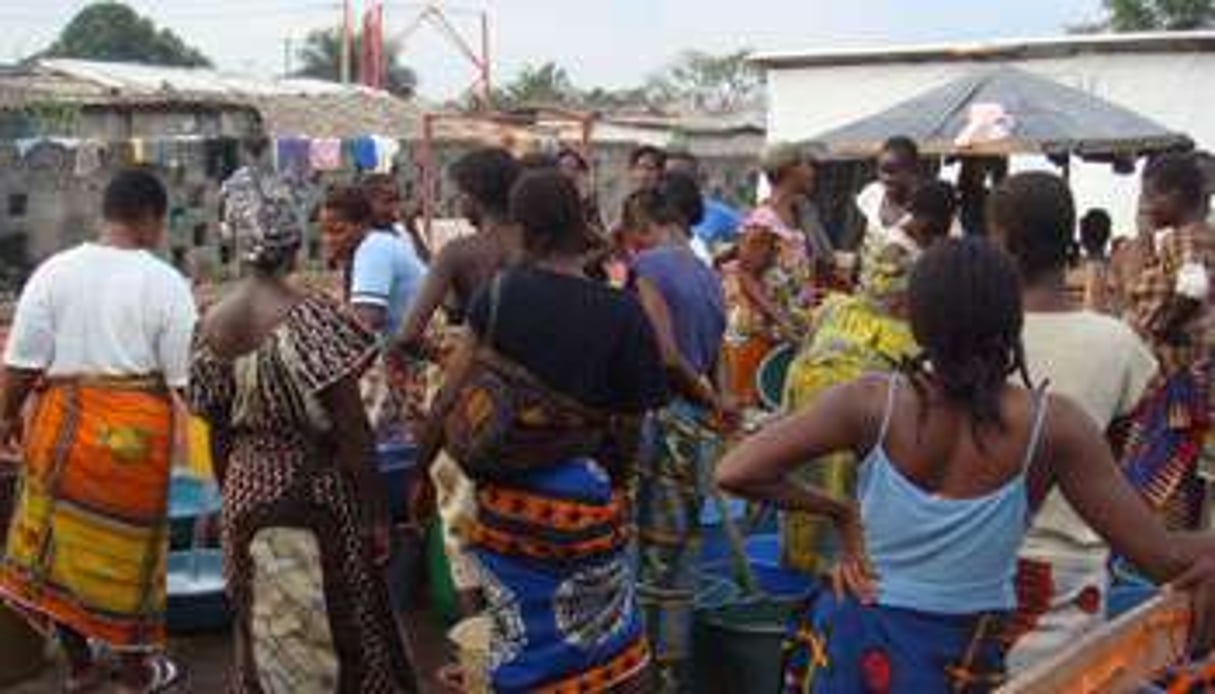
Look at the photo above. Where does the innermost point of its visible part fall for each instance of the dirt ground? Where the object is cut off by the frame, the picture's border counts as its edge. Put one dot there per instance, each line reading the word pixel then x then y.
pixel 205 659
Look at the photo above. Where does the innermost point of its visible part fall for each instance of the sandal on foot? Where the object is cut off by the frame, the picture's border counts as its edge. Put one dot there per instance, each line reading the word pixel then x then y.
pixel 164 675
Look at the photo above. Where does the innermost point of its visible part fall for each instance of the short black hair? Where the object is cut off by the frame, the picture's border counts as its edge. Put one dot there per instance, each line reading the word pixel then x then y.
pixel 966 314
pixel 537 160
pixel 1178 173
pixel 1037 215
pixel 487 176
pixel 683 155
pixel 134 196
pixel 904 147
pixel 1096 227
pixel 937 202
pixel 376 181
pixel 351 203
pixel 546 205
pixel 683 193
pixel 571 153
pixel 649 205
pixel 657 153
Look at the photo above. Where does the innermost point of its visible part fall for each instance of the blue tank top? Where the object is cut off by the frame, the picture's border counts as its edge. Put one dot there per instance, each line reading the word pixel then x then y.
pixel 937 554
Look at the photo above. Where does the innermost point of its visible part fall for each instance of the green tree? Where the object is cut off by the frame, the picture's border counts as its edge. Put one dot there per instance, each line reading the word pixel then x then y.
pixel 1159 15
pixel 545 85
pixel 112 31
pixel 699 81
pixel 321 58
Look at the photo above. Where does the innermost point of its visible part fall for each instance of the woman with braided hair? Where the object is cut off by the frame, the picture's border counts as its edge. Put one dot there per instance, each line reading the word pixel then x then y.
pixel 275 372
pixel 953 463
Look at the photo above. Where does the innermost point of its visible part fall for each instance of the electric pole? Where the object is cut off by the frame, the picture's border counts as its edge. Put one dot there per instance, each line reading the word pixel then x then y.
pixel 346 42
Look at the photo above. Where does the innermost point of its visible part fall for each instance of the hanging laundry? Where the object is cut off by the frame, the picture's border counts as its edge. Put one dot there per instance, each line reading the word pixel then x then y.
pixel 159 153
pixel 386 150
pixel 326 154
pixel 292 157
pixel 365 158
pixel 139 151
pixel 89 158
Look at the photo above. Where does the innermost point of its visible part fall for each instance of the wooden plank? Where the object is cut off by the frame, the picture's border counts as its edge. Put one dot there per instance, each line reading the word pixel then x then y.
pixel 1119 657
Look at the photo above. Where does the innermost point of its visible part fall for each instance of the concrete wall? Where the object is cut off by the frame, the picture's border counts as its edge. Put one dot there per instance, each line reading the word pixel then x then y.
pixel 61 208
pixel 1172 88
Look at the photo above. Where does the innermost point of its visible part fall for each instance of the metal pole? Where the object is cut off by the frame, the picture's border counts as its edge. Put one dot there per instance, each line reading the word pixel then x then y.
pixel 287 56
pixel 486 84
pixel 428 177
pixel 344 69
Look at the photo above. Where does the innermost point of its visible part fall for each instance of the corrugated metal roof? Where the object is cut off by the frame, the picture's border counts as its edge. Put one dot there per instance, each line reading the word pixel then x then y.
pixel 726 123
pixel 137 79
pixel 288 106
pixel 1046 117
pixel 1013 49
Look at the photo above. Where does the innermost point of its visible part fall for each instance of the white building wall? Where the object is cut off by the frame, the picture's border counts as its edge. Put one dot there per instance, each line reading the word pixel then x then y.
pixel 1175 89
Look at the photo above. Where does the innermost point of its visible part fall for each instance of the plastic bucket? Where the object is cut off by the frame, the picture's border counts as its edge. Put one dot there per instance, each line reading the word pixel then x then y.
pixel 1128 590
pixel 196 601
pixel 397 462
pixel 189 499
pixel 771 374
pixel 714 541
pixel 442 592
pixel 763 552
pixel 738 646
pixel 763 555
pixel 471 638
pixel 714 592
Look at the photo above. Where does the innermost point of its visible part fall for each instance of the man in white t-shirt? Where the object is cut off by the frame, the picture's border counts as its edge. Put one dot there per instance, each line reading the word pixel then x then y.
pixel 1093 359
pixel 103 331
pixel 883 203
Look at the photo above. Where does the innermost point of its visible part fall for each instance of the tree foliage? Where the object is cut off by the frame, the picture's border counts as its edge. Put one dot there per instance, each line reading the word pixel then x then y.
pixel 112 31
pixel 544 85
pixel 320 57
pixel 1160 15
pixel 698 81
pixel 695 81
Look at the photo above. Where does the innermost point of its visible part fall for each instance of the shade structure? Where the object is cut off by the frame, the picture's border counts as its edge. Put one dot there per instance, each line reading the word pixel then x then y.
pixel 1041 117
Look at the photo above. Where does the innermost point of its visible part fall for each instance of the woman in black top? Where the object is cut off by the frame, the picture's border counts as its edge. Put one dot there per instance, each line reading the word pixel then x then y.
pixel 550 535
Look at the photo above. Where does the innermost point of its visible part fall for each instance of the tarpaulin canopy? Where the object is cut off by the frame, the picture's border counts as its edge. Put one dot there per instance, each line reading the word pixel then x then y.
pixel 1004 110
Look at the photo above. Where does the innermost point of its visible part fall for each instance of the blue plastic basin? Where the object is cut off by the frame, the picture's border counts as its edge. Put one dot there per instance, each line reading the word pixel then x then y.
pixel 763 555
pixel 763 551
pixel 189 499
pixel 196 601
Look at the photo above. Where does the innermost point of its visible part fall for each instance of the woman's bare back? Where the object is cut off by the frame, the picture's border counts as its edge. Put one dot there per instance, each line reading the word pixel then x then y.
pixel 939 449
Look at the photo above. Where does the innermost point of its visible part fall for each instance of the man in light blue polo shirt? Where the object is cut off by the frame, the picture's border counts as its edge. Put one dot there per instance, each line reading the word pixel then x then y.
pixel 721 222
pixel 383 272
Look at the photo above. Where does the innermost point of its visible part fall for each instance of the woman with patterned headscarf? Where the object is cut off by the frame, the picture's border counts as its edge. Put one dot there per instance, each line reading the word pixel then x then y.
pixel 275 372
pixel 854 334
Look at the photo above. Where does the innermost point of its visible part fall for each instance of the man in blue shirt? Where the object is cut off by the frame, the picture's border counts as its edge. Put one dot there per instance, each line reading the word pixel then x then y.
pixel 721 221
pixel 382 269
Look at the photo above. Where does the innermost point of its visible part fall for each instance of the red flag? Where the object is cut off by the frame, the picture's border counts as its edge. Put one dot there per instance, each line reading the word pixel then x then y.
pixel 372 68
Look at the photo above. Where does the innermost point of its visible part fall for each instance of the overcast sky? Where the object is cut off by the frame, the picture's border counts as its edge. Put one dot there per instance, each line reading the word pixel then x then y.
pixel 601 42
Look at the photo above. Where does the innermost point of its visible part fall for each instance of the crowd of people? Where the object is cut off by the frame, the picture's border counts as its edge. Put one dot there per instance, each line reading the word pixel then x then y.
pixel 963 441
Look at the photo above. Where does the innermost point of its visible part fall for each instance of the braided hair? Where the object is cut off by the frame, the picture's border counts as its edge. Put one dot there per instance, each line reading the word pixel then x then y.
pixel 966 315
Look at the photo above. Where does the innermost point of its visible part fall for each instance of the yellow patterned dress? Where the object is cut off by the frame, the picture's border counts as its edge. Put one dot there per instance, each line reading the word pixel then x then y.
pixel 850 335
